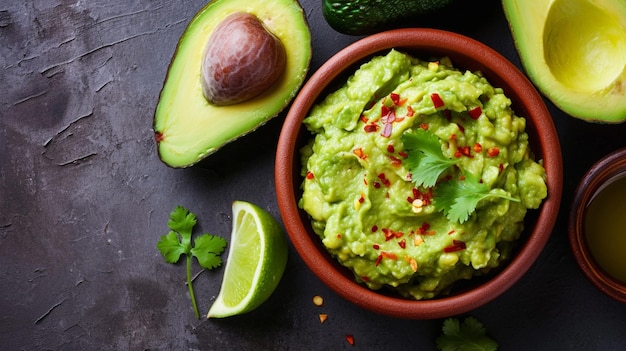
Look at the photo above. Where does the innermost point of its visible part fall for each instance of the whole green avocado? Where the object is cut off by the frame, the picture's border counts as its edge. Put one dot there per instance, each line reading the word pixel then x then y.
pixel 360 17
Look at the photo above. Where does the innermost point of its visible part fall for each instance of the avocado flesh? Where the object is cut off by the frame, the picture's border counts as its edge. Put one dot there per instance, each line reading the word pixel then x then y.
pixel 574 51
pixel 187 127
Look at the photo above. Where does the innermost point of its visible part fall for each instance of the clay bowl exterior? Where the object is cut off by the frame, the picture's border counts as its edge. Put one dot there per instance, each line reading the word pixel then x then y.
pixel 465 54
pixel 609 168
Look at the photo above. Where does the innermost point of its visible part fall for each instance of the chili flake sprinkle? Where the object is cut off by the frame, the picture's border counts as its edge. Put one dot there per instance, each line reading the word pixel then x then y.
pixel 475 112
pixel 457 245
pixel 318 300
pixel 493 151
pixel 384 180
pixel 370 128
pixel 436 99
pixel 323 317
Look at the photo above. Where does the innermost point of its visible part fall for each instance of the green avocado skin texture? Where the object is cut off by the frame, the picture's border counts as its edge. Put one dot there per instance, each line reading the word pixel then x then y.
pixel 361 17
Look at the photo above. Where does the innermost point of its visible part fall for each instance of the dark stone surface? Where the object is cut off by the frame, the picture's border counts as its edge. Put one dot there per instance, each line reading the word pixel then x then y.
pixel 84 199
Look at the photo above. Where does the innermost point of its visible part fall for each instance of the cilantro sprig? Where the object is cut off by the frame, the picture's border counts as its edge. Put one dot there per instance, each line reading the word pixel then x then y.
pixel 470 335
pixel 425 159
pixel 459 198
pixel 426 162
pixel 206 247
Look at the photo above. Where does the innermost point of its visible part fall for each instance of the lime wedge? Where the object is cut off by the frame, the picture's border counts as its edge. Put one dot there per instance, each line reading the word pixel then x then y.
pixel 256 261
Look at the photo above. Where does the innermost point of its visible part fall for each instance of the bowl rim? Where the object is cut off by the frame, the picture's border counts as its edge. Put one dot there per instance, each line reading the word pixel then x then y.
pixel 609 167
pixel 431 41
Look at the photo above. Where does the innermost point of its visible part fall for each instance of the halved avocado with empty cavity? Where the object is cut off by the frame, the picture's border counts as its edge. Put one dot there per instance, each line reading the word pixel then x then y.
pixel 575 53
pixel 237 65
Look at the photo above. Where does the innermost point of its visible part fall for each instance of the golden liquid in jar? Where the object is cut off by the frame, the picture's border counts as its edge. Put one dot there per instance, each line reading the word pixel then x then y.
pixel 605 228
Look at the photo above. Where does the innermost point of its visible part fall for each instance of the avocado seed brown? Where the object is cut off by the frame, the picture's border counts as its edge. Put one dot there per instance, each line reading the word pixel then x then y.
pixel 242 60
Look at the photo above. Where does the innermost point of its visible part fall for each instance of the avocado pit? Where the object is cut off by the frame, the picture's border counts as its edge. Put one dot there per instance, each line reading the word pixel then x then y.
pixel 242 59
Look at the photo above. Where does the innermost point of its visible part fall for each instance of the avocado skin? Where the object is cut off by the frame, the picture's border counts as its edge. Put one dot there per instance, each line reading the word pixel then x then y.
pixel 361 17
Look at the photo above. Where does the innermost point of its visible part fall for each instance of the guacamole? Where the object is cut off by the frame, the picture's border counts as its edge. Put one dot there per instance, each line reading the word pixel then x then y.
pixel 418 217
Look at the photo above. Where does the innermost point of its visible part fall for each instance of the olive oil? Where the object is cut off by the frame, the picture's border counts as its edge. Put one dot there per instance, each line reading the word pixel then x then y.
pixel 605 228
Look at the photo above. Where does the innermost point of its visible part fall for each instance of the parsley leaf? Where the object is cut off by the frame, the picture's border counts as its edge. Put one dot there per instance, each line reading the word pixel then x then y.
pixel 425 159
pixel 206 249
pixel 458 198
pixel 471 335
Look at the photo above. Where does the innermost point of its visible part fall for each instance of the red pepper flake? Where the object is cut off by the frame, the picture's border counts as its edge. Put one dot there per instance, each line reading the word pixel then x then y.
pixel 424 126
pixel 365 181
pixel 478 148
pixel 365 279
pixel 457 154
pixel 451 232
pixel 360 154
pixel 475 112
pixel 465 151
pixel 384 111
pixel 409 111
pixel 493 151
pixel 364 119
pixel 452 137
pixel 309 175
pixel 376 246
pixel 402 243
pixel 390 149
pixel 403 154
pixel 501 167
pixel 416 193
pixel 374 228
pixel 384 180
pixel 338 235
pixel 396 162
pixel 378 259
pixel 436 99
pixel 350 339
pixel 391 234
pixel 423 228
pixel 362 199
pixel 389 255
pixel 370 128
pixel 461 128
pixel 377 185
pixel 395 98
pixel 462 177
pixel 457 245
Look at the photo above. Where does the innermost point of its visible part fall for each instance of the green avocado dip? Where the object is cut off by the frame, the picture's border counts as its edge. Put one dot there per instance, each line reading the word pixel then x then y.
pixel 418 175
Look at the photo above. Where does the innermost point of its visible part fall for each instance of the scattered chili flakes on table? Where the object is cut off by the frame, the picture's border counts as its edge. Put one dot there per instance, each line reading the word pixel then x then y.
pixel 350 339
pixel 318 300
pixel 323 317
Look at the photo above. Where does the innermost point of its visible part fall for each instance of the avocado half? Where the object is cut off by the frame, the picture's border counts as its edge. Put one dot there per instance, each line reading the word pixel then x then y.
pixel 574 51
pixel 187 127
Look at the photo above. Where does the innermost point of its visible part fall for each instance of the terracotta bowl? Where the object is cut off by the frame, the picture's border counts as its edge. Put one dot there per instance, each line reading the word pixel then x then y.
pixel 602 173
pixel 465 54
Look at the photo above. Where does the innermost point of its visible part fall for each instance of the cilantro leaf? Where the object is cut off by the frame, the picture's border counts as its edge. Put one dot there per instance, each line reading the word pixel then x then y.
pixel 177 242
pixel 459 198
pixel 207 249
pixel 471 335
pixel 425 159
pixel 170 247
